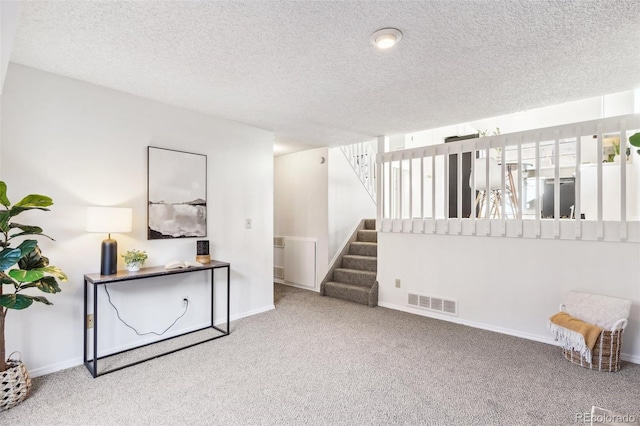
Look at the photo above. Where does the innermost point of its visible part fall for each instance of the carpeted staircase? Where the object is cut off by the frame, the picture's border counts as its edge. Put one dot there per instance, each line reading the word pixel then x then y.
pixel 353 276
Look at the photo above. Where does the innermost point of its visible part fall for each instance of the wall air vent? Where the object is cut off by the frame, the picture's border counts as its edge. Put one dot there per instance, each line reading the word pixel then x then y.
pixel 278 272
pixel 278 241
pixel 435 304
pixel 413 299
pixel 424 302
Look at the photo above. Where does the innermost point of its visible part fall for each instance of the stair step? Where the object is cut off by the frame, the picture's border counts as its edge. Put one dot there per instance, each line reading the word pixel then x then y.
pixel 362 263
pixel 353 276
pixel 370 224
pixel 350 292
pixel 363 249
pixel 368 236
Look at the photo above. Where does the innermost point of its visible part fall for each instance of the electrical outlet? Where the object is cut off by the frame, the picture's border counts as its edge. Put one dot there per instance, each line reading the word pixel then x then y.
pixel 185 302
pixel 397 282
pixel 247 223
pixel 90 321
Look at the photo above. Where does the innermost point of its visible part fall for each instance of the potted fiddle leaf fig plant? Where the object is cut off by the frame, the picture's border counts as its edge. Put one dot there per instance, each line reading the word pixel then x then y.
pixel 22 267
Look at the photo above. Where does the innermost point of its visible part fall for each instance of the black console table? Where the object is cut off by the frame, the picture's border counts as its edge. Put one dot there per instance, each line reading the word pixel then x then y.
pixel 97 280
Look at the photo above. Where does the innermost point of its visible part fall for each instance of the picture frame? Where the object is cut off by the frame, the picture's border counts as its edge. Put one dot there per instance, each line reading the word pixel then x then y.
pixel 176 194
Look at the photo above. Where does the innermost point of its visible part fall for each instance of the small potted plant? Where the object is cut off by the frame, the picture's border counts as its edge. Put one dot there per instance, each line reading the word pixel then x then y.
pixel 134 259
pixel 635 141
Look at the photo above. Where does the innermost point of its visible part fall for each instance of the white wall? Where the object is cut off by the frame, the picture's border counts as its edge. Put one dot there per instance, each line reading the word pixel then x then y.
pixel 300 200
pixel 349 202
pixel 86 145
pixel 570 112
pixel 9 13
pixel 508 285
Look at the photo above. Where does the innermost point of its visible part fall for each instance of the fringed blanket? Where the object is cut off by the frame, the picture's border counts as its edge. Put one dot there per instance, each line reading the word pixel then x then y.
pixel 574 334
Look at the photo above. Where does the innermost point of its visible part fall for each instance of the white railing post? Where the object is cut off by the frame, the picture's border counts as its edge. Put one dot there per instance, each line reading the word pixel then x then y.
pixel 537 204
pixel 422 187
pixel 577 207
pixel 411 187
pixel 600 225
pixel 556 185
pixel 503 186
pixel 379 184
pixel 623 179
pixel 459 189
pixel 520 200
pixel 487 183
pixel 433 192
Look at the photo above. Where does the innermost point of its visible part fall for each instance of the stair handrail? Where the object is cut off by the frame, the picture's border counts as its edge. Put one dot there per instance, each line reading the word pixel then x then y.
pixel 362 158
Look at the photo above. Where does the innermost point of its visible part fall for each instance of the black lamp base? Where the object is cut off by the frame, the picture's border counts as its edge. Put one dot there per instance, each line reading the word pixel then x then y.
pixel 109 257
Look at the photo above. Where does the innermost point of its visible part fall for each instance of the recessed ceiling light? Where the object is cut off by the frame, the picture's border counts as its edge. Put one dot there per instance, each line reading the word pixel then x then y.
pixel 386 38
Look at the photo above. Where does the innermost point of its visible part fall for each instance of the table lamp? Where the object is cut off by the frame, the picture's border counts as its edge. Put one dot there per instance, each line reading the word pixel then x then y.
pixel 109 220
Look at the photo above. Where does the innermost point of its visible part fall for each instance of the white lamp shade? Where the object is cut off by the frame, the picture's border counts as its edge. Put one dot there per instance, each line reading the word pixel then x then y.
pixel 109 219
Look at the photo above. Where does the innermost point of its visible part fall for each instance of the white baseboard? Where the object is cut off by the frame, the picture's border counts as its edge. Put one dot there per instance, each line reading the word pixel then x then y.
pixel 489 327
pixel 55 367
pixel 248 313
pixel 304 287
pixel 74 362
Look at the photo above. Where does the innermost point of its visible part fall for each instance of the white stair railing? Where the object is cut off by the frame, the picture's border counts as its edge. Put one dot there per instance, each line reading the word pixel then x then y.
pixel 532 167
pixel 362 158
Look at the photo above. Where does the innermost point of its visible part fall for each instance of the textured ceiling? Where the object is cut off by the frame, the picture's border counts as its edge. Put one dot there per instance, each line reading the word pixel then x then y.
pixel 307 71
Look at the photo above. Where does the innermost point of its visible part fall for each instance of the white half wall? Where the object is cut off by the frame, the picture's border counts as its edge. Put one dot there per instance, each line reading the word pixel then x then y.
pixel 349 202
pixel 508 285
pixel 86 145
pixel 300 201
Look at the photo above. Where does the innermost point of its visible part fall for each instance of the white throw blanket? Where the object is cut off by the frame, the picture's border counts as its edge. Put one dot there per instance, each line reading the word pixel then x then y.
pixel 596 309
pixel 569 339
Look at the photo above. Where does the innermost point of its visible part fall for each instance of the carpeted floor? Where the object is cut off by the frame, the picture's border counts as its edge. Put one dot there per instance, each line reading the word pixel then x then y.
pixel 318 360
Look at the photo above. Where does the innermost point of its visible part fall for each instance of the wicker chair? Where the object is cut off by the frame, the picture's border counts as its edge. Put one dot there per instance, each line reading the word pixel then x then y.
pixel 608 313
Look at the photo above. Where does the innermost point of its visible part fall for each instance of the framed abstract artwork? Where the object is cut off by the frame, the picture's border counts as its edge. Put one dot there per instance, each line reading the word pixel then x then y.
pixel 176 194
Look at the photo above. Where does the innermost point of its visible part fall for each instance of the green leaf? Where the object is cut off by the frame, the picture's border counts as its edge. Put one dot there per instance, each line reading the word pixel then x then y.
pixel 21 301
pixel 16 301
pixel 33 260
pixel 16 210
pixel 635 140
pixel 34 200
pixel 47 284
pixel 23 276
pixel 29 285
pixel 26 228
pixel 56 272
pixel 3 195
pixel 24 234
pixel 4 220
pixel 40 299
pixel 27 246
pixel 9 257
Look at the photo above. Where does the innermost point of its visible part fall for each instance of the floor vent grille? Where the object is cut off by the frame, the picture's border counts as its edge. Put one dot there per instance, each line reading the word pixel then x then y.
pixel 278 272
pixel 435 304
